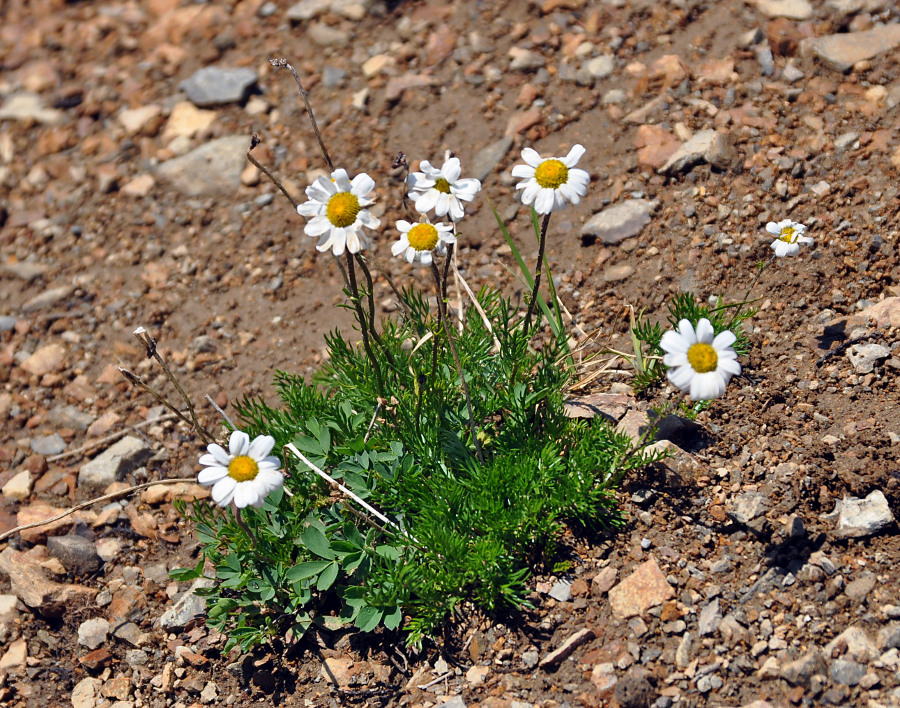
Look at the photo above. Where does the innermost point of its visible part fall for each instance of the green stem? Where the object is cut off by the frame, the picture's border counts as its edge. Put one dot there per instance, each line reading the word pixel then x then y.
pixel 462 378
pixel 371 300
pixel 360 315
pixel 537 272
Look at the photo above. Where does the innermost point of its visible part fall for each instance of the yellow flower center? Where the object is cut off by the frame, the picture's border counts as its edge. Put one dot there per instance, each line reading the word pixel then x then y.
pixel 423 237
pixel 243 468
pixel 702 358
pixel 442 185
pixel 550 174
pixel 342 209
pixel 787 234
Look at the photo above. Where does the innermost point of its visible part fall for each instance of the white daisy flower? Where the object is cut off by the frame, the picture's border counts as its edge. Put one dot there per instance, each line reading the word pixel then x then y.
pixel 550 183
pixel 244 474
pixel 418 241
pixel 700 364
pixel 790 236
pixel 442 190
pixel 336 209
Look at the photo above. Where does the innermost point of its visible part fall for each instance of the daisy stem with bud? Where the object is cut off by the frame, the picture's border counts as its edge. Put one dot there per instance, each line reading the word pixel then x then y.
pixel 442 292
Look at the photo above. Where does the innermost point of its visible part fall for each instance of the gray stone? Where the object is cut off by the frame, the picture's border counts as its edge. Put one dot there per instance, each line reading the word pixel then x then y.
pixel 187 607
pixel 846 673
pixel 791 9
pixel 561 590
pixel 48 298
pixel 93 632
pixel 131 633
pixel 327 36
pixel 307 10
pixel 865 357
pixel 600 67
pixel 709 146
pixel 525 59
pixel 213 85
pixel 26 270
pixel 845 140
pixel 455 702
pixel 634 689
pixel 685 651
pixel 732 631
pixel 564 651
pixel 615 273
pixel 708 682
pixel 76 553
pixel 889 636
pixel 211 168
pixel 48 445
pixel 7 323
pixel 710 617
pixel 136 658
pixel 112 465
pixel 851 7
pixel 70 417
pixel 747 506
pixel 800 671
pixel 27 106
pixel 486 160
pixel 791 73
pixel 614 96
pixel 842 51
pixel 530 659
pixel 859 588
pixel 856 640
pixel 864 517
pixel 619 222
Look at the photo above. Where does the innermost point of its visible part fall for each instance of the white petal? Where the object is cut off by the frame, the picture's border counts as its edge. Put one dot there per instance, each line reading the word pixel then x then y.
pixel 325 242
pixel 704 331
pixel 686 329
pixel 218 453
pixel 318 226
pixel 529 194
pixel 430 170
pixel 574 155
pixel 705 387
pixel 341 180
pixel 531 157
pixel 675 359
pixel 723 340
pixel 339 241
pixel 223 491
pixel 239 443
pixel 545 201
pixel 211 475
pixel 261 446
pixel 451 170
pixel 729 366
pixel 269 463
pixel 443 204
pixel 310 209
pixel 362 184
pixel 365 218
pixel 523 171
pixel 245 494
pixel 570 193
pixel 805 239
pixel 353 244
pixel 468 186
pixel 400 246
pixel 456 210
pixel 403 226
pixel 426 202
pixel 321 190
pixel 681 377
pixel 672 341
pixel 410 254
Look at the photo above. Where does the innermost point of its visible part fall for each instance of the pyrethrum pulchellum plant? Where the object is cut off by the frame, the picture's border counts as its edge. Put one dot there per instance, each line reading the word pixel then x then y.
pixel 429 465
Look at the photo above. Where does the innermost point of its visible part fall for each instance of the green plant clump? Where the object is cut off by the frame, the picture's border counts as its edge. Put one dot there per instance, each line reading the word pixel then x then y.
pixel 472 521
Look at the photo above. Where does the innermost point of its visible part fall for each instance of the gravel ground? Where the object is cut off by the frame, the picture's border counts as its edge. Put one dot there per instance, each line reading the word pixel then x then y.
pixel 759 565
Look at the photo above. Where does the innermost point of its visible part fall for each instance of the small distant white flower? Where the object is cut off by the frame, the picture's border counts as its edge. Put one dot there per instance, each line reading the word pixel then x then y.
pixel 418 241
pixel 244 474
pixel 699 364
pixel 336 209
pixel 442 190
pixel 790 236
pixel 550 183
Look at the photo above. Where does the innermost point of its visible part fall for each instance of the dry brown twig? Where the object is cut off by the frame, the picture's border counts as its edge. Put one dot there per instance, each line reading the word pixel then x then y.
pixel 91 502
